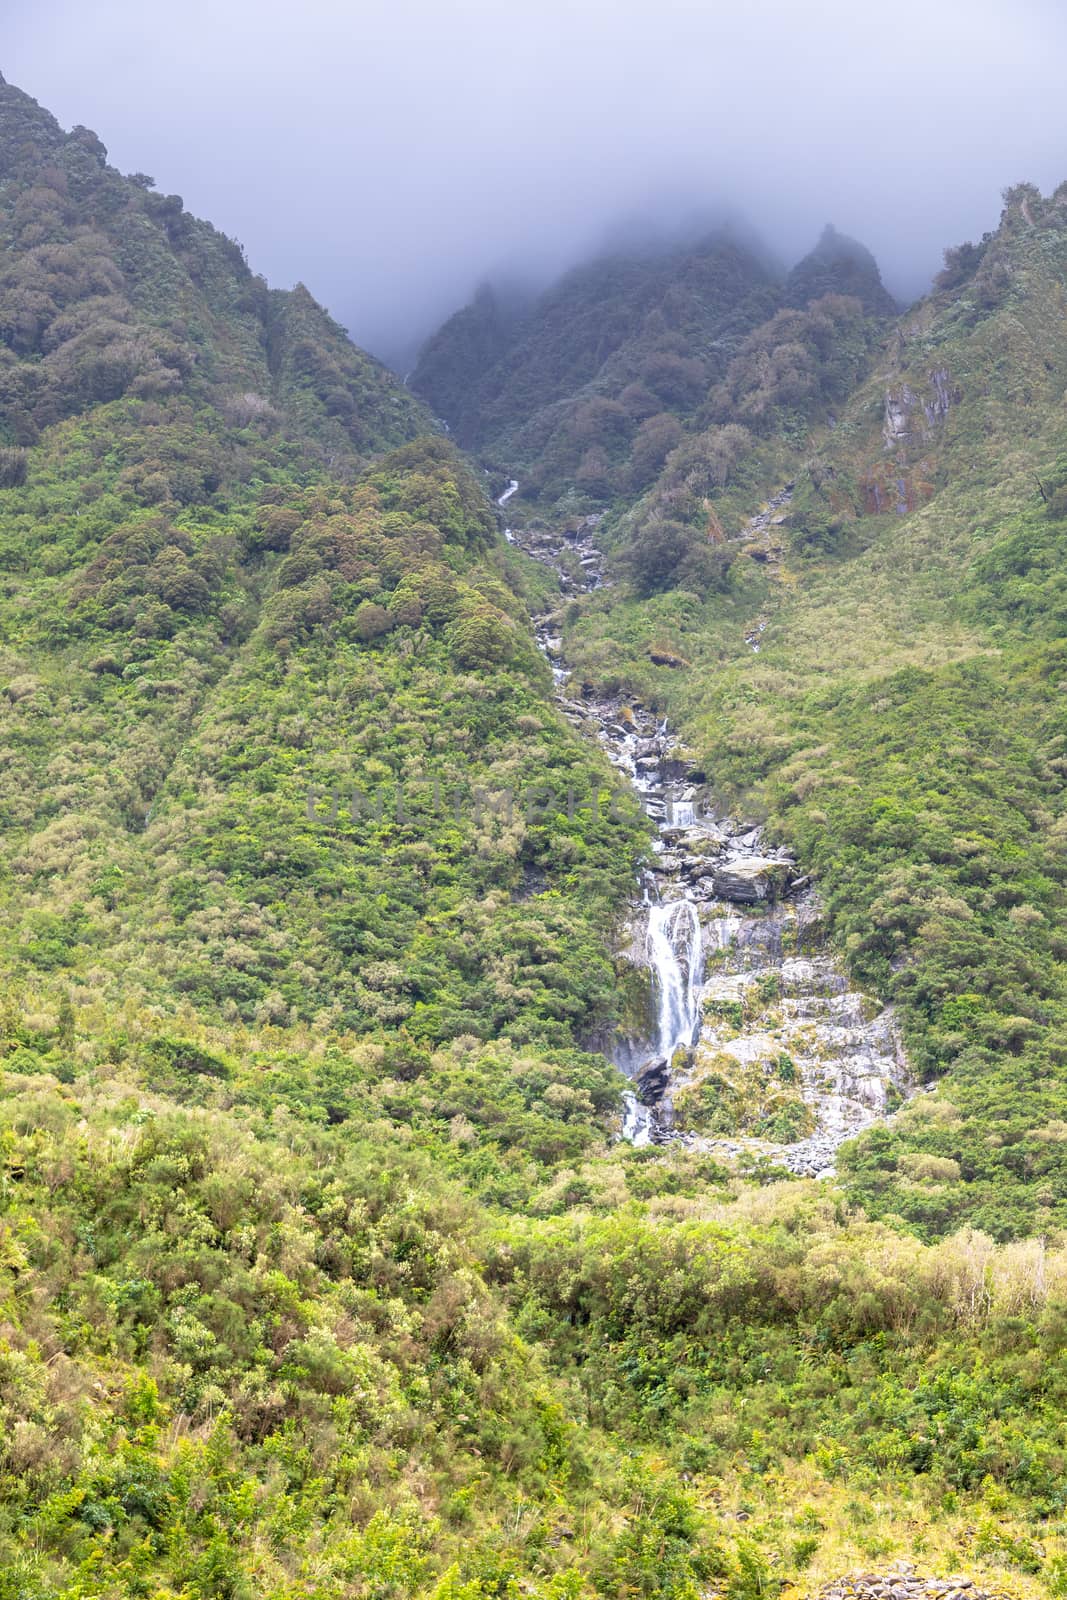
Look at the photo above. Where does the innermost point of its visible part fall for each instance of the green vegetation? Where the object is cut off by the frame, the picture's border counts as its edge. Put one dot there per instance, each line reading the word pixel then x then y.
pixel 582 395
pixel 216 608
pixel 260 1339
pixel 902 726
pixel 627 363
pixel 323 1273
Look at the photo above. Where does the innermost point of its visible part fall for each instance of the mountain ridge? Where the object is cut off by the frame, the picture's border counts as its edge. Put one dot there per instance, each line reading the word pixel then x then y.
pixel 652 332
pixel 324 1273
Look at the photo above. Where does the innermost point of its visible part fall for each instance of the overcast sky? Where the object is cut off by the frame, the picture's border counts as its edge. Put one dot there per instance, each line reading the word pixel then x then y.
pixel 390 153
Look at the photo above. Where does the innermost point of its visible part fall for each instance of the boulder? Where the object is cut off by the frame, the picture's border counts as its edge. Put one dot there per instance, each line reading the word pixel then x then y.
pixel 693 866
pixel 652 1081
pixel 666 658
pixel 751 879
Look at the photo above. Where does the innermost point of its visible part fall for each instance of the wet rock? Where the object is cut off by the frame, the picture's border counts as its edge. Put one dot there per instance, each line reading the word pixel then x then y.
pixel 652 1081
pixel 760 928
pixel 695 868
pixel 673 768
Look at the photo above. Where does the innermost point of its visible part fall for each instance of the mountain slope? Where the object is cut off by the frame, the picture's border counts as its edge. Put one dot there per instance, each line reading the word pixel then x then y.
pixel 323 1273
pixel 215 604
pixel 110 290
pixel 838 265
pixel 592 379
pixel 902 720
pixel 589 395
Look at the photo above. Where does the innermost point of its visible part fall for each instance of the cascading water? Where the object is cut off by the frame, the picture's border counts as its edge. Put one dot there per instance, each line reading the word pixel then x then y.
pixel 846 1061
pixel 675 954
pixel 674 951
pixel 636 1121
pixel 502 500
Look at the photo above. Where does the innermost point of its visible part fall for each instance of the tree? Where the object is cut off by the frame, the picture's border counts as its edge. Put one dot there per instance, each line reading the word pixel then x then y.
pixel 655 440
pixel 371 621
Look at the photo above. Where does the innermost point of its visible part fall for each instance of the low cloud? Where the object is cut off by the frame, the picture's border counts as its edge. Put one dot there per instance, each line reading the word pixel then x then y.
pixel 390 153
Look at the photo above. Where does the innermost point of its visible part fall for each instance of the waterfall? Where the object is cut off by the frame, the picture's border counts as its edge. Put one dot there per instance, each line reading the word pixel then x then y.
pixel 636 1121
pixel 676 956
pixel 673 946
pixel 846 1064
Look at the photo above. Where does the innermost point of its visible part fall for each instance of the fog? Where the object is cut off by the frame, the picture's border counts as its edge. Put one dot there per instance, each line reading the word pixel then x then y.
pixel 392 153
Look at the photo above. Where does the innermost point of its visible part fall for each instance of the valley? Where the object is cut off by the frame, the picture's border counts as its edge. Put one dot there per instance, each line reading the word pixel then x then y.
pixel 656 1190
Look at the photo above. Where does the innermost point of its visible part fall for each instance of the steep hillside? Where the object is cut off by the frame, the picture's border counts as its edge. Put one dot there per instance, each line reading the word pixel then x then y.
pixel 592 381
pixel 109 290
pixel 901 721
pixel 609 375
pixel 323 1270
pixel 838 265
pixel 214 606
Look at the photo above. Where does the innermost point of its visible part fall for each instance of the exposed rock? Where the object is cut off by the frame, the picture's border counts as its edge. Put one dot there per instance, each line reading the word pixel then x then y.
pixel 668 865
pixel 652 1080
pixel 900 1582
pixel 773 1001
pixel 899 405
pixel 896 1582
pixel 747 880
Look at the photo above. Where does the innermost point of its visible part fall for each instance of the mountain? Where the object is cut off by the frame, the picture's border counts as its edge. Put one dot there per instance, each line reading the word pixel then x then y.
pixel 455 362
pixel 324 1270
pixel 838 265
pixel 112 291
pixel 201 513
pixel 585 389
pixel 589 392
pixel 901 723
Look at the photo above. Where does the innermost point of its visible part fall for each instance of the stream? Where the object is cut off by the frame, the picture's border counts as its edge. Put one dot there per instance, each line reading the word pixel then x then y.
pixel 754 1043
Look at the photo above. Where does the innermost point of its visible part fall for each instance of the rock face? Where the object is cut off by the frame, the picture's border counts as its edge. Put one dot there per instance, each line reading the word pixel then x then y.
pixel 754 1044
pixel 748 879
pixel 784 1033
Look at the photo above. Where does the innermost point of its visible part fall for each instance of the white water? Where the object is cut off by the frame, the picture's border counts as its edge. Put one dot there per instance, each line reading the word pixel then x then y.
pixel 846 1062
pixel 676 956
pixel 636 1121
pixel 512 488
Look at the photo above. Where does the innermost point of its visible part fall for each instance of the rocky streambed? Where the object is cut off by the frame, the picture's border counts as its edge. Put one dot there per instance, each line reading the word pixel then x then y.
pixel 754 1042
pixel 901 1582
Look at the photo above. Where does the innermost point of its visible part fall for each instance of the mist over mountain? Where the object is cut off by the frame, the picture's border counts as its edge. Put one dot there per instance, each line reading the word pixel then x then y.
pixel 592 383
pixel 393 154
pixel 533 971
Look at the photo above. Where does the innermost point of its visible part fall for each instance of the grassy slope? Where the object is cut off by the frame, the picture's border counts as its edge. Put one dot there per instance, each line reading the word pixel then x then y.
pixel 318 1276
